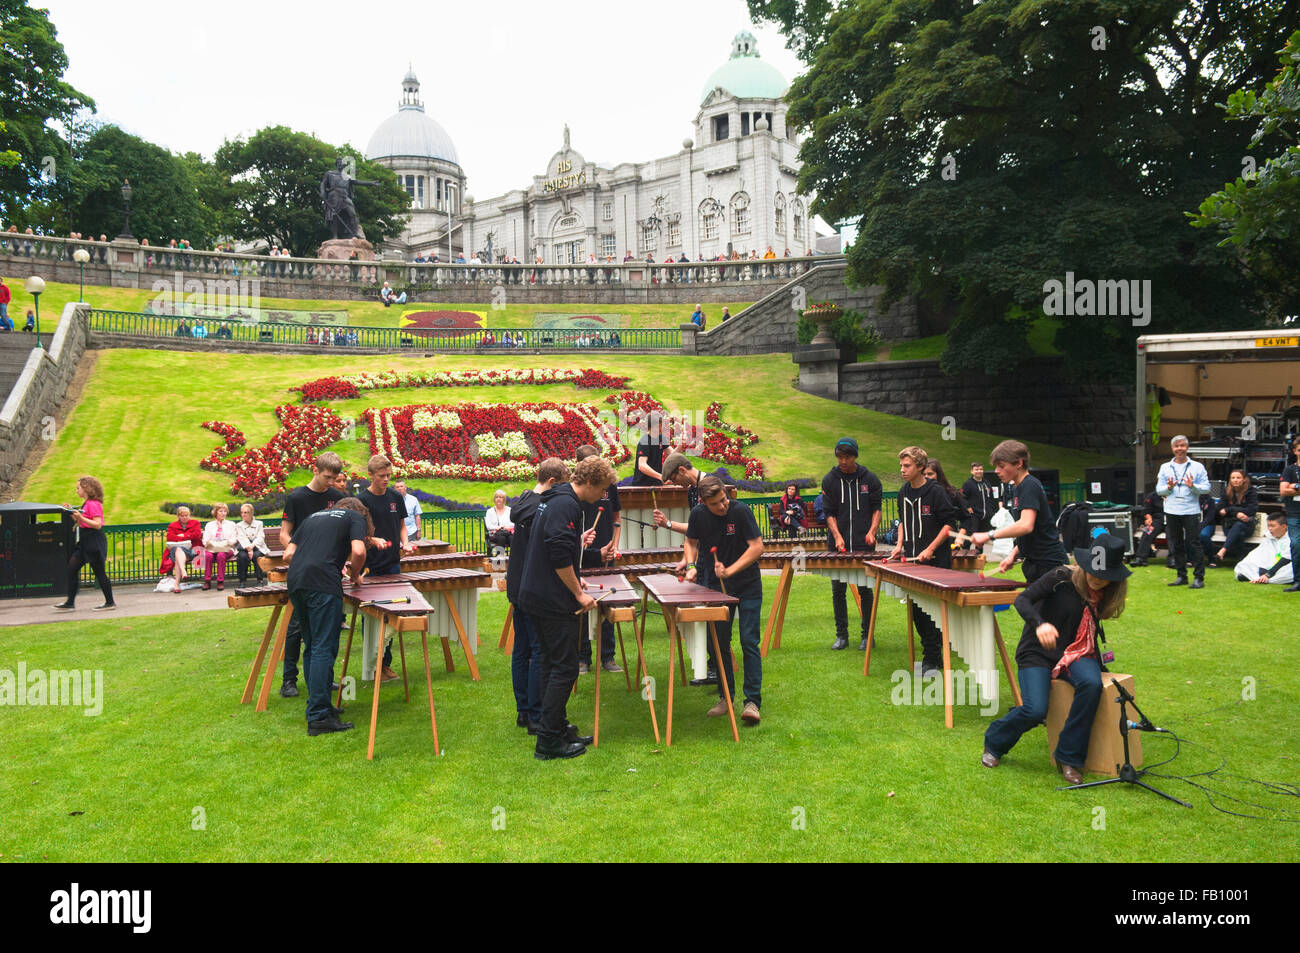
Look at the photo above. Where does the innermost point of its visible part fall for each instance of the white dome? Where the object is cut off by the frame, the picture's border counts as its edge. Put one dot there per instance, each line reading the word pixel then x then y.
pixel 411 132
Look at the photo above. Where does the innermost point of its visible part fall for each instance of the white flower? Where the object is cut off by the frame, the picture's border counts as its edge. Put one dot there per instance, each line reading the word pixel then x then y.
pixel 512 444
pixel 541 417
pixel 425 419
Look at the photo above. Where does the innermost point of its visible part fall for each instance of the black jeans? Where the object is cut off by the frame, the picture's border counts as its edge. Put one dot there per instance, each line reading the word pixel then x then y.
pixel 558 635
pixel 243 561
pixel 839 602
pixel 1035 568
pixel 94 555
pixel 323 614
pixel 1183 534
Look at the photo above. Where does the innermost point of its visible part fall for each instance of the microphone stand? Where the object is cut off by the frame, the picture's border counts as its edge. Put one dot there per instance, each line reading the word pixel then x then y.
pixel 1127 773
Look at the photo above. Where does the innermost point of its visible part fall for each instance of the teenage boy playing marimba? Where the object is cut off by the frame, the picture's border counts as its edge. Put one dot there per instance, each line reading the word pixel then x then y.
pixel 851 495
pixel 731 535
pixel 1039 541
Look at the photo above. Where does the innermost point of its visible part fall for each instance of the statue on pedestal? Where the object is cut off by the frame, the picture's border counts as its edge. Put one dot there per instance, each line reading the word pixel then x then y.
pixel 340 212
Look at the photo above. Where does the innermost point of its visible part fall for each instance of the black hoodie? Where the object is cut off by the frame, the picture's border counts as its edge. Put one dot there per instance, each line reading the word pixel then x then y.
pixel 852 498
pixel 555 542
pixel 521 514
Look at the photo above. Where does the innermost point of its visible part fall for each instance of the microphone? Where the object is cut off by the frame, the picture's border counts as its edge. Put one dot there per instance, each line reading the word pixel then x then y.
pixel 1145 725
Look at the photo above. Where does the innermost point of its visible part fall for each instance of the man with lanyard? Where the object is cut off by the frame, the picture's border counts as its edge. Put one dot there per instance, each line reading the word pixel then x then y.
pixel 413 511
pixel 317 495
pixel 1181 481
pixel 385 550
pixel 599 550
pixel 852 496
pixel 323 544
pixel 1290 493
pixel 679 472
pixel 718 524
pixel 1035 523
pixel 551 593
pixel 979 500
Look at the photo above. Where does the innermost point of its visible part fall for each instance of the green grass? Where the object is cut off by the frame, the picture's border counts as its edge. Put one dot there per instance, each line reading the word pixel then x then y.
pixel 1041 332
pixel 368 314
pixel 137 426
pixel 874 781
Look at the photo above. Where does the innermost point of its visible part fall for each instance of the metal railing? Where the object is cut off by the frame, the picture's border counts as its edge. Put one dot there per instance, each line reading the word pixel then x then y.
pixel 230 326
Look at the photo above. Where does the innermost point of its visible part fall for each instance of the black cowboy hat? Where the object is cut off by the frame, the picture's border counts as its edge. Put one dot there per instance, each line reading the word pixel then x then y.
pixel 1104 558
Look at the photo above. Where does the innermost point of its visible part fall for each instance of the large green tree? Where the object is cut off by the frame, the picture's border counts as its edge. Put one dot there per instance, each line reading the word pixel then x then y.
pixel 991 147
pixel 275 179
pixel 34 99
pixel 1260 209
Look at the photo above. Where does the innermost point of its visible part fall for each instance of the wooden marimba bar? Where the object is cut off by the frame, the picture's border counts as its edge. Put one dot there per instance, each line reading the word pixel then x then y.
pixel 962 605
pixel 418 562
pixel 638 503
pixel 841 567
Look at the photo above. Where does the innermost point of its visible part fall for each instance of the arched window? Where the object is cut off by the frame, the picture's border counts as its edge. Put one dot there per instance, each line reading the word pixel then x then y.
pixel 780 213
pixel 798 220
pixel 710 219
pixel 740 222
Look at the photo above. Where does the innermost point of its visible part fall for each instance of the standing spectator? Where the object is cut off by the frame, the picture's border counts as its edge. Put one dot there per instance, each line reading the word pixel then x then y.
pixel 219 545
pixel 250 543
pixel 1290 493
pixel 697 317
pixel 726 313
pixel 978 501
pixel 412 507
pixel 1181 481
pixel 92 544
pixel 5 323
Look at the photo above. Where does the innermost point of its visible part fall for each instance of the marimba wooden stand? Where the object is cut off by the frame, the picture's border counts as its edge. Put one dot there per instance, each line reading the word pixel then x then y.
pixel 616 615
pixel 776 615
pixel 282 612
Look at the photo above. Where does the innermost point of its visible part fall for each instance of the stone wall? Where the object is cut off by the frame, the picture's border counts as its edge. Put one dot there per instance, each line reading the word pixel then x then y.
pixel 1034 404
pixel 40 389
pixel 769 326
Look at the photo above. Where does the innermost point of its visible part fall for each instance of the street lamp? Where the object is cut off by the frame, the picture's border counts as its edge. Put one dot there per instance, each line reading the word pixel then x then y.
pixel 35 285
pixel 126 200
pixel 81 256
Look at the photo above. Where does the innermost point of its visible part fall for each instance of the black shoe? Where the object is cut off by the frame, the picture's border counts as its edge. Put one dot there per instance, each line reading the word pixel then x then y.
pixel 557 747
pixel 534 727
pixel 105 607
pixel 289 690
pixel 709 679
pixel 841 642
pixel 65 607
pixel 1293 588
pixel 1180 581
pixel 1171 563
pixel 1197 584
pixel 338 712
pixel 521 720
pixel 930 670
pixel 571 735
pixel 327 726
pixel 1138 562
pixel 862 646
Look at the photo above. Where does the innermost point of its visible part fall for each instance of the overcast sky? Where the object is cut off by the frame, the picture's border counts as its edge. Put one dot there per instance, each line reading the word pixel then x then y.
pixel 501 77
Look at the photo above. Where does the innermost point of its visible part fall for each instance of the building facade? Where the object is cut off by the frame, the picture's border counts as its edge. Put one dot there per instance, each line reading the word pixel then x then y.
pixel 732 187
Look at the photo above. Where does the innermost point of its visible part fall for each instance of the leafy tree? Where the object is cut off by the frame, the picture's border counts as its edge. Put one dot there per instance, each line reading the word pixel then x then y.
pixel 32 96
pixel 275 180
pixel 1260 210
pixel 992 146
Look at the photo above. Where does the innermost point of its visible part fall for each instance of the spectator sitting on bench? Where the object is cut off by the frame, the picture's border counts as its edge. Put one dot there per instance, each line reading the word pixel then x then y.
pixel 788 514
pixel 1153 524
pixel 1237 509
pixel 1270 561
pixel 389 297
pixel 182 330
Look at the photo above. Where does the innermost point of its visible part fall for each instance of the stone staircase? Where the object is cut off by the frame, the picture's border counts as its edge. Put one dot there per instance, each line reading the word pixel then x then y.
pixel 15 346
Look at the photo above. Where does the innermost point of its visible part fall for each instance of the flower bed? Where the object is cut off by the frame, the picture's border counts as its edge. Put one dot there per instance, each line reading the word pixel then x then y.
pixel 351 385
pixel 635 408
pixel 304 432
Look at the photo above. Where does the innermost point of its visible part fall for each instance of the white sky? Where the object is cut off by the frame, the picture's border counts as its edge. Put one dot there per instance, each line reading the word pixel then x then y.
pixel 502 77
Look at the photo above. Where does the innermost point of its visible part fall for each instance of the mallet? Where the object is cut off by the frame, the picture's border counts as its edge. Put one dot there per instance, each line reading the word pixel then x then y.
pixel 713 551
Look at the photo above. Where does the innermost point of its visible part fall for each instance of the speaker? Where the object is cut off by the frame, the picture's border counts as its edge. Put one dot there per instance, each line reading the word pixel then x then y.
pixel 1051 480
pixel 1114 484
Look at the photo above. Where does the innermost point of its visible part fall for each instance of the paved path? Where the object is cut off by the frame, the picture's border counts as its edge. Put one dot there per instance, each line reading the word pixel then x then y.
pixel 131 600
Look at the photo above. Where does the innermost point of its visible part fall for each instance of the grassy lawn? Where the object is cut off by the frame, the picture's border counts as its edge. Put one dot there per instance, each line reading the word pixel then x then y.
pixel 137 426
pixel 872 780
pixel 369 314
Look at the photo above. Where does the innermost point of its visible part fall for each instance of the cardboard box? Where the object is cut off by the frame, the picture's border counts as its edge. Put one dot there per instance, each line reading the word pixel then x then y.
pixel 1106 744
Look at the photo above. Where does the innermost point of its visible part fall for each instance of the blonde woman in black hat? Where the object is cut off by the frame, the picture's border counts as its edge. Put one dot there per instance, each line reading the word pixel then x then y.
pixel 1063 610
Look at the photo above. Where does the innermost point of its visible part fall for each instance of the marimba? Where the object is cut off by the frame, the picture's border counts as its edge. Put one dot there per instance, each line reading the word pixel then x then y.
pixel 638 506
pixel 841 567
pixel 459 588
pixel 962 605
pixel 616 601
pixel 690 607
pixel 417 562
pixel 374 599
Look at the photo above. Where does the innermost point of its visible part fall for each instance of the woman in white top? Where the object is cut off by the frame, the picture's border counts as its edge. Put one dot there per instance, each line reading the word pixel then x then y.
pixel 499 527
pixel 219 544
pixel 250 542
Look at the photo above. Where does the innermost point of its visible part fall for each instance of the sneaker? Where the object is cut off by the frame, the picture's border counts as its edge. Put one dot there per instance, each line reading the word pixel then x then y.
pixel 750 715
pixel 583 668
pixel 327 726
pixel 289 690
pixel 64 607
pixel 610 666
pixel 718 710
pixel 107 606
pixel 989 759
pixel 841 642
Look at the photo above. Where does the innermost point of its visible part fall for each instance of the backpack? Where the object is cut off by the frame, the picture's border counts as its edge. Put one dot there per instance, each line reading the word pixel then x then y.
pixel 1073 525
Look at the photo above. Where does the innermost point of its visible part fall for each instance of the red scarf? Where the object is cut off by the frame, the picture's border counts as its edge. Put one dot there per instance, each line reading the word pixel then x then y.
pixel 1085 638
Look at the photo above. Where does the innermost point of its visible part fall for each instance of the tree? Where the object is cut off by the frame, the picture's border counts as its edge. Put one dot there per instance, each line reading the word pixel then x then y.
pixel 275 187
pixel 32 95
pixel 991 147
pixel 1260 210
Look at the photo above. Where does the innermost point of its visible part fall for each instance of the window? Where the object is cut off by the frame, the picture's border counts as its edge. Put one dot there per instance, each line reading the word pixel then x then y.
pixel 780 213
pixel 744 124
pixel 674 234
pixel 720 127
pixel 711 225
pixel 419 191
pixel 742 221
pixel 649 239
pixel 798 221
pixel 608 245
pixel 607 212
pixel 740 214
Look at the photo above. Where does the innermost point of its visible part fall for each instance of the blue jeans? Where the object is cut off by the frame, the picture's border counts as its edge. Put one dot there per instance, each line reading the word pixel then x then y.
pixel 322 617
pixel 1234 538
pixel 1035 687
pixel 1293 531
pixel 750 612
pixel 526 667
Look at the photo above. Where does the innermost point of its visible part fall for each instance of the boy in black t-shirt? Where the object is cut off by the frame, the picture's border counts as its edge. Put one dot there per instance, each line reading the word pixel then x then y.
pixel 301 503
pixel 385 548
pixel 1035 526
pixel 731 529
pixel 605 514
pixel 322 545
pixel 650 450
pixel 980 500
pixel 926 514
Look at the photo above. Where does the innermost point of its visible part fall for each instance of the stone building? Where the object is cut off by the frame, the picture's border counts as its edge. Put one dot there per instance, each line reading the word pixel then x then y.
pixel 730 187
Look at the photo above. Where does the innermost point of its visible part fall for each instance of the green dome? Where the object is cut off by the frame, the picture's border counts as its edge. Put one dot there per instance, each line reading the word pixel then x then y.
pixel 746 76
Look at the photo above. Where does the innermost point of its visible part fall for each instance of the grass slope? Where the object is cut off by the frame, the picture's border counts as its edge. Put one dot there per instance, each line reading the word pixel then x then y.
pixel 137 426
pixel 873 780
